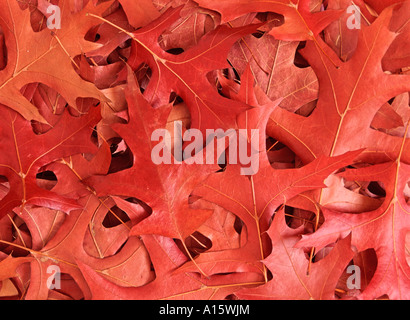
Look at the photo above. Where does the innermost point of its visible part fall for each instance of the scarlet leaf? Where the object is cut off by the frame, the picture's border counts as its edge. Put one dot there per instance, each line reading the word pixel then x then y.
pixel 44 56
pixel 171 215
pixel 390 221
pixel 167 285
pixel 345 103
pixel 273 68
pixel 292 262
pixel 171 73
pixel 109 116
pixel 300 23
pixel 255 198
pixel 21 165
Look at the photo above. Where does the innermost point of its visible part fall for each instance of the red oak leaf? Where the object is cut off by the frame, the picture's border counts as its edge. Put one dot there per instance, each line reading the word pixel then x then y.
pixel 272 66
pixel 300 23
pixel 383 229
pixel 346 107
pixel 255 198
pixel 108 190
pixel 44 56
pixel 171 73
pixel 289 268
pixel 23 154
pixel 164 187
pixel 166 258
pixel 66 248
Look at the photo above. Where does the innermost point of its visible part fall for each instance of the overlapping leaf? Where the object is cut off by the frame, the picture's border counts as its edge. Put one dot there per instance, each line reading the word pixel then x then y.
pixel 20 163
pixel 45 56
pixel 82 196
pixel 346 106
pixel 300 23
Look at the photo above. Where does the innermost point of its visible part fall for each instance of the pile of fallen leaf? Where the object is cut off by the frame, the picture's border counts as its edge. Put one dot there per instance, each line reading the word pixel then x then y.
pixel 80 193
